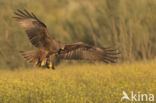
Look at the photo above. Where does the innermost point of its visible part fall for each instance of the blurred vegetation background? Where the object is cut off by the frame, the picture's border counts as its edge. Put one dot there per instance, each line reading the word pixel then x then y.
pixel 129 25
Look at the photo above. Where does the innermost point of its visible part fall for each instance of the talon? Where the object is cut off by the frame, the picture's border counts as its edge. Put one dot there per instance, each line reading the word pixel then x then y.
pixel 43 62
pixel 50 65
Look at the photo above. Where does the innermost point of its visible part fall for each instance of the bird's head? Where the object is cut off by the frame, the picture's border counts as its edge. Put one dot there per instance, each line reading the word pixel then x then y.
pixel 60 50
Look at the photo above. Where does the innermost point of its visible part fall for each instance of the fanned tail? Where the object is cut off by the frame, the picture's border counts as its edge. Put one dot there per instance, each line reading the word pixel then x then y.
pixel 30 56
pixel 37 57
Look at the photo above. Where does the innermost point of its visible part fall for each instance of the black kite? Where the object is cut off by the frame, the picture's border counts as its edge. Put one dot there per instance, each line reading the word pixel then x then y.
pixel 49 49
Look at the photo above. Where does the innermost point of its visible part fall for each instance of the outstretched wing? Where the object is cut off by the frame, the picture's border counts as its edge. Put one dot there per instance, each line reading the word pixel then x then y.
pixel 80 50
pixel 35 29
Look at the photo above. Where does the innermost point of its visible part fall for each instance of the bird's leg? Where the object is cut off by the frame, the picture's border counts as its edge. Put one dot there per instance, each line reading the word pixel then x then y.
pixel 51 61
pixel 43 59
pixel 43 62
pixel 53 65
pixel 50 65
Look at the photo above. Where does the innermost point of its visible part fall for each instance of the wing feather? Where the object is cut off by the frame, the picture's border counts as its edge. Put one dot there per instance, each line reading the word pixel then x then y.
pixel 80 50
pixel 35 29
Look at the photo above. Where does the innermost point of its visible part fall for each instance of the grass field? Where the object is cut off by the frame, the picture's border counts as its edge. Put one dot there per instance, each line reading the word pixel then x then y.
pixel 77 83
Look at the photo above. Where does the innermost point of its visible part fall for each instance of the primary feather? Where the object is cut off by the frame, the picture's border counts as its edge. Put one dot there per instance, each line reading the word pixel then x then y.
pixel 35 29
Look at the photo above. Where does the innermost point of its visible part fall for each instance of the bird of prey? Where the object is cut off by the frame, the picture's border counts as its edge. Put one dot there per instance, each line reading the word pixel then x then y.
pixel 48 49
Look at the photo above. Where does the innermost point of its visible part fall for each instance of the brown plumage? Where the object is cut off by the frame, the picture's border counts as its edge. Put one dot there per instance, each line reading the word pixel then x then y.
pixel 49 49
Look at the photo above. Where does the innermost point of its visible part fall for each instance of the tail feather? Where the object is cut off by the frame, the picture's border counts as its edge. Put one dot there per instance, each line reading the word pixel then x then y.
pixel 29 56
pixel 36 57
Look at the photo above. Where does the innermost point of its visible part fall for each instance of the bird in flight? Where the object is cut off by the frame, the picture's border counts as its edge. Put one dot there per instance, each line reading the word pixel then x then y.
pixel 48 49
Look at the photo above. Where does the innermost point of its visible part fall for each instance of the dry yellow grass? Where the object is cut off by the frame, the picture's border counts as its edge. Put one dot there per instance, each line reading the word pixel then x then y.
pixel 77 83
